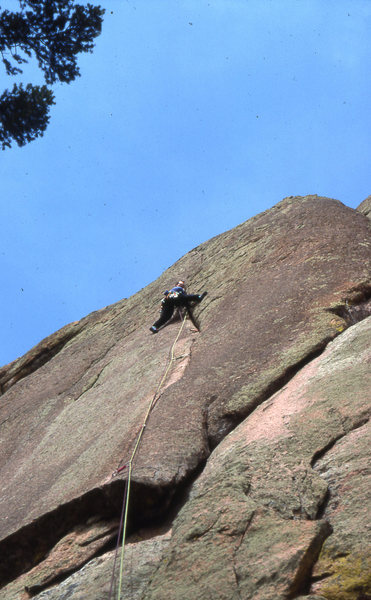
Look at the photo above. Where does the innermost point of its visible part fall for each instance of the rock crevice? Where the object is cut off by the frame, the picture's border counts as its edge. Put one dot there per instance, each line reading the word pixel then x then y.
pixel 243 453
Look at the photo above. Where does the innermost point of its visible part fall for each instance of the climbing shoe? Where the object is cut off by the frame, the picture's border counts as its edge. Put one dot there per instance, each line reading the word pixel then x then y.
pixel 202 296
pixel 153 329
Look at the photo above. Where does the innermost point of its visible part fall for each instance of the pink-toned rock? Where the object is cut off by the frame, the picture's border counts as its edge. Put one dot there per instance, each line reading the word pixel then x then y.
pixel 254 521
pixel 94 579
pixel 344 566
pixel 280 287
pixel 69 554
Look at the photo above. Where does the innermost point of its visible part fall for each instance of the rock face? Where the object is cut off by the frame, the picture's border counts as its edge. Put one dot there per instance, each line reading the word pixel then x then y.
pixel 284 481
pixel 94 580
pixel 365 207
pixel 262 401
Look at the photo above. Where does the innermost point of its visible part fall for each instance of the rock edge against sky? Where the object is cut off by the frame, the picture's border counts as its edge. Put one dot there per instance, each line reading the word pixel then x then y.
pixel 281 287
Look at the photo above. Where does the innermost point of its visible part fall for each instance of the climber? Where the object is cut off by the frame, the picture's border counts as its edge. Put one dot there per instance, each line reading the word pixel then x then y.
pixel 176 297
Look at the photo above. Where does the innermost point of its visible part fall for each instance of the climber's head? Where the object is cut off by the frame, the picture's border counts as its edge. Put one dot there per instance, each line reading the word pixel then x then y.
pixel 181 284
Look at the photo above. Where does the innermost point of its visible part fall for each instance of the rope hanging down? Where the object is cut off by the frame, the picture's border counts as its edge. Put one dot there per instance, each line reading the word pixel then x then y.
pixel 129 466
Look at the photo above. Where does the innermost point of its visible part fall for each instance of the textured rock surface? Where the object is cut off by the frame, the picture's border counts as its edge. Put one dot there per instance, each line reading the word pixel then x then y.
pixel 281 286
pixel 93 581
pixel 344 566
pixel 255 518
pixel 365 207
pixel 71 552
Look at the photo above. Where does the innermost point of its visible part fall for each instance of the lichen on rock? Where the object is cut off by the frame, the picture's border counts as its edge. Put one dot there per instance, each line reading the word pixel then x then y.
pixel 249 448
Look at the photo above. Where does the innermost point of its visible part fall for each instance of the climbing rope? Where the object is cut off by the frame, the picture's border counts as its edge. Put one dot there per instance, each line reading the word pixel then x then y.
pixel 129 466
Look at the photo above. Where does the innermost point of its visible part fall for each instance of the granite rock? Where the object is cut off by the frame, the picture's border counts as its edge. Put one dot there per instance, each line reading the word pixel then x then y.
pixel 281 287
pixel 259 513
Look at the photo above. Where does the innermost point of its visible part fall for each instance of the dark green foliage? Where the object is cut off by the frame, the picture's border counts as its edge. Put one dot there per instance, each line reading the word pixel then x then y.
pixel 24 113
pixel 54 32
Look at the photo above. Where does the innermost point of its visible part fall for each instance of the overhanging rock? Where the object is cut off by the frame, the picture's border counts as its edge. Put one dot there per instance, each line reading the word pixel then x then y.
pixel 280 287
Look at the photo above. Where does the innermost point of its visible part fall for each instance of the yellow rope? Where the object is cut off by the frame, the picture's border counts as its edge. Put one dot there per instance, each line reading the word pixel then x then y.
pixel 130 462
pixel 126 500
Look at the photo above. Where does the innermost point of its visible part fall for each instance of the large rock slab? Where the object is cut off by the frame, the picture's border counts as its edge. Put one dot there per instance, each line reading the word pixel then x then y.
pixel 260 511
pixel 69 554
pixel 94 580
pixel 343 571
pixel 280 287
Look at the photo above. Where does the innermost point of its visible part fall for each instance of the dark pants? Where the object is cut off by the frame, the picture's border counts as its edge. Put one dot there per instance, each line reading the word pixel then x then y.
pixel 169 304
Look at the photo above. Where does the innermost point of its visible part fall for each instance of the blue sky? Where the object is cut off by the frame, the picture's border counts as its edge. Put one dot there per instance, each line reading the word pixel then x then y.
pixel 190 117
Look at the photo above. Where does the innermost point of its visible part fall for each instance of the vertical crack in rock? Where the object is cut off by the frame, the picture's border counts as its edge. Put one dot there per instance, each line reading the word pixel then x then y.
pixel 238 545
pixel 302 579
pixel 306 577
pixel 322 505
pixel 343 562
pixel 205 421
pixel 105 503
pixel 74 513
pixel 237 580
pixel 159 499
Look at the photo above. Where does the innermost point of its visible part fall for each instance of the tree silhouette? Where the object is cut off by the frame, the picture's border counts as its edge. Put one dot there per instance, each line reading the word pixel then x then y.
pixel 54 32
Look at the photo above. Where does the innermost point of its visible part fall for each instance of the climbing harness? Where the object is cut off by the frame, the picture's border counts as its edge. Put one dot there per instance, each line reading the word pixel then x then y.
pixel 173 295
pixel 170 296
pixel 129 467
